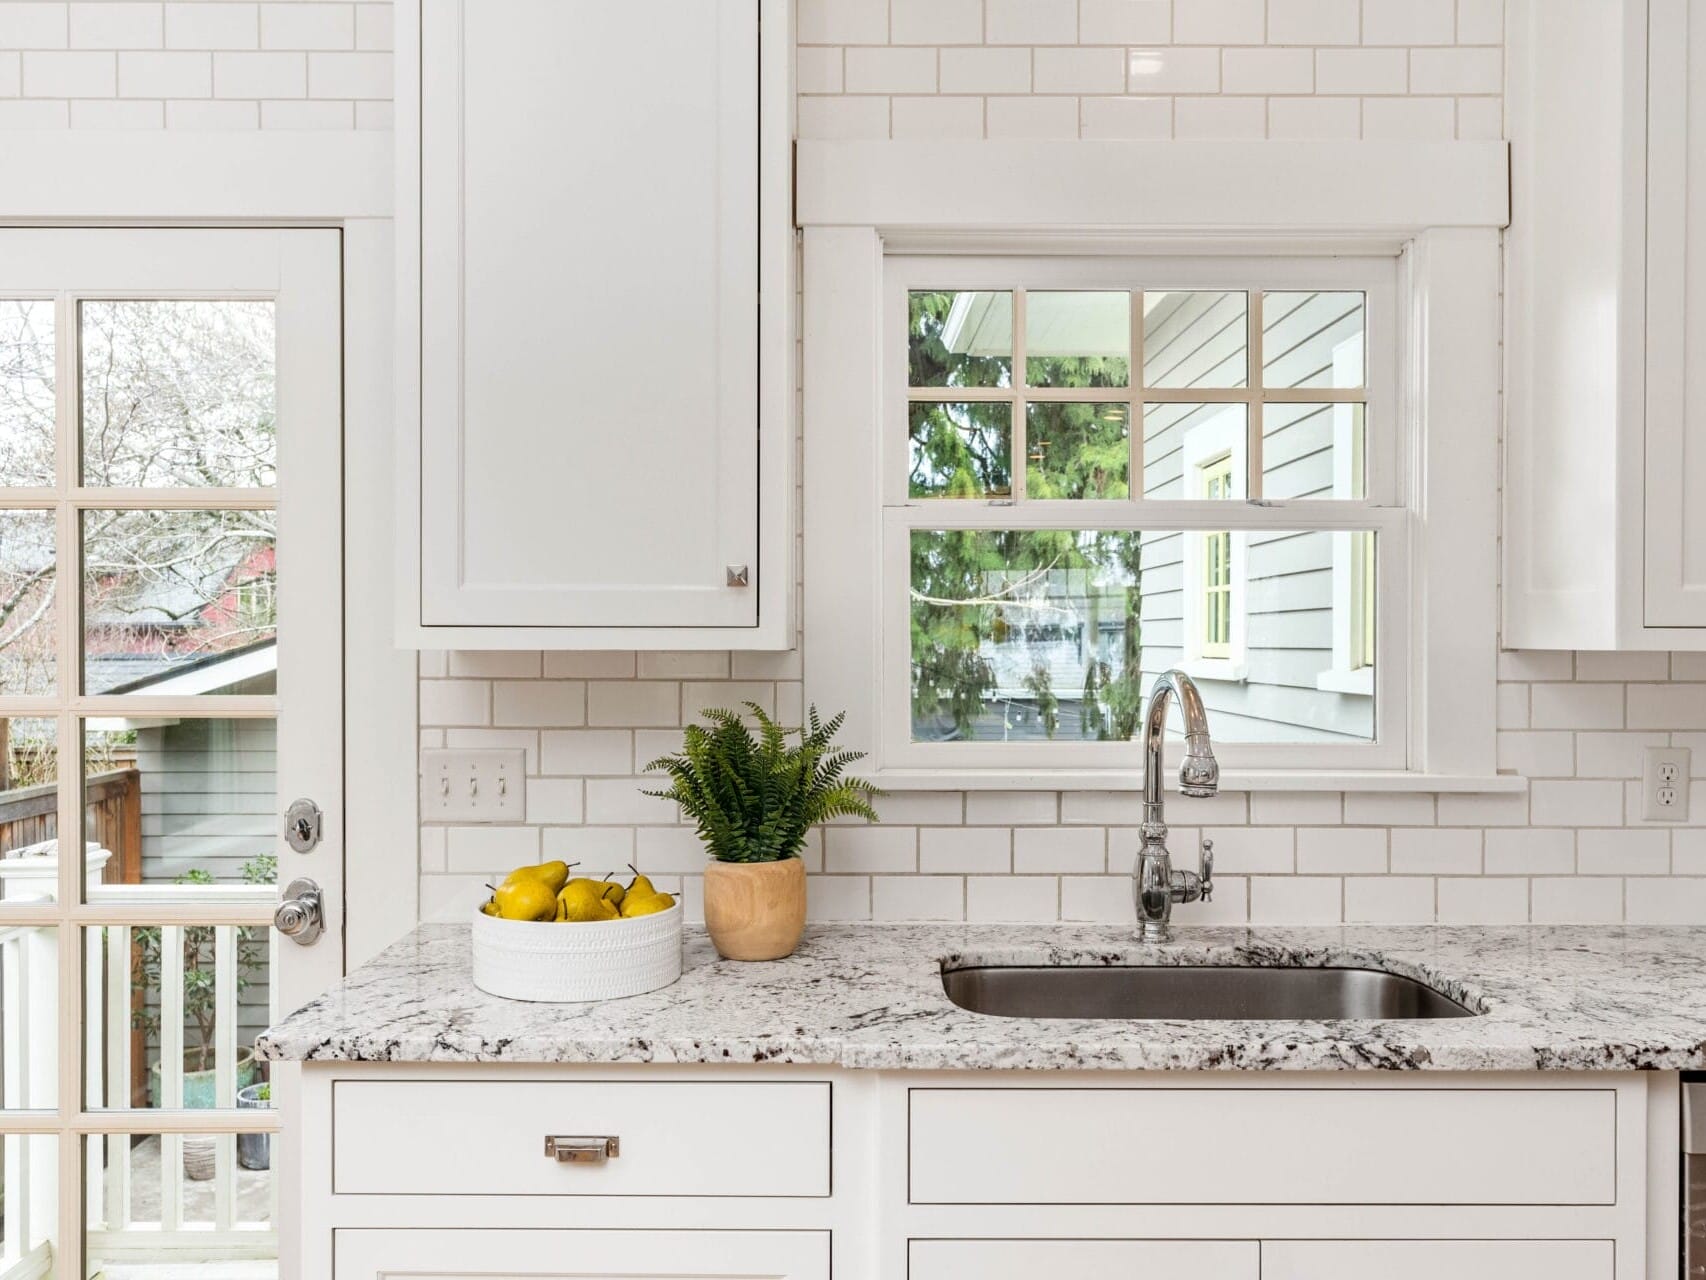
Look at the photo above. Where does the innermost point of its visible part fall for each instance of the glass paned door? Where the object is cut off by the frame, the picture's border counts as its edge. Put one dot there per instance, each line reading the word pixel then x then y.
pixel 170 679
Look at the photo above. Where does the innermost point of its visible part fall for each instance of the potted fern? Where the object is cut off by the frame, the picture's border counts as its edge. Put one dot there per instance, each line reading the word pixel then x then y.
pixel 753 798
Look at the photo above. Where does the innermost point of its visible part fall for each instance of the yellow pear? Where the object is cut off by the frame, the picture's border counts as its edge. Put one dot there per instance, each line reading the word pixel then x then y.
pixel 647 904
pixel 583 900
pixel 613 892
pixel 640 887
pixel 554 874
pixel 528 898
pixel 489 907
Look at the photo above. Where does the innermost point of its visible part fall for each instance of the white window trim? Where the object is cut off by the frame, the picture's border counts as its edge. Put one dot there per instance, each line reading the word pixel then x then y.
pixel 1438 553
pixel 1225 434
pixel 1347 674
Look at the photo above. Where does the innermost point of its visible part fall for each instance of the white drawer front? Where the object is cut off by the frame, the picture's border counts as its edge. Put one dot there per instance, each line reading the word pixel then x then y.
pixel 487 1137
pixel 1083 1259
pixel 1433 1259
pixel 1263 1146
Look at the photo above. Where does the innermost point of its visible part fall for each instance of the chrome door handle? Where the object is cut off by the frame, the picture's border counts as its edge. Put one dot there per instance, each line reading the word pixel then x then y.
pixel 299 917
pixel 586 1150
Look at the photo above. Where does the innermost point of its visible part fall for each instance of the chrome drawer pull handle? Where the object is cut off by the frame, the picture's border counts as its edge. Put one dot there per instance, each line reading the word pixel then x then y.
pixel 582 1150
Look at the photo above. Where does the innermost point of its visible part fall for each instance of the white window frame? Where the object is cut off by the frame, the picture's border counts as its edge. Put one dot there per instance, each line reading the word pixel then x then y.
pixel 1437 208
pixel 1373 274
pixel 1221 437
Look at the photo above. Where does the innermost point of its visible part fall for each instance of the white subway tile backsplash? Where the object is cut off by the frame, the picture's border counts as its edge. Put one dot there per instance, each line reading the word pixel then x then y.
pixel 838 898
pixel 818 69
pixel 580 752
pixel 731 695
pixel 1622 666
pixel 1480 21
pixel 28 25
pixel 1389 808
pixel 349 75
pixel 108 25
pixel 1125 21
pixel 1031 118
pixel 1530 851
pixel 1220 119
pixel 1078 70
pixel 1012 898
pixel 108 113
pixel 196 24
pixel 891 70
pixel 616 801
pixel 1265 71
pixel 936 21
pixel 1493 809
pixel 373 27
pixel 986 71
pixel 1296 900
pixel 1030 21
pixel 963 850
pixel 555 801
pixel 1408 21
pixel 1314 118
pixel 1100 899
pixel 843 21
pixel 918 898
pixel 633 703
pixel 1169 69
pixel 1247 850
pixel 165 75
pixel 1062 850
pixel 590 664
pixel 1651 706
pixel 488 850
pixel 1219 21
pixel 456 702
pixel 537 702
pixel 1664 901
pixel 57 74
pixel 1537 754
pixel 1576 804
pixel 1576 706
pixel 211 114
pixel 1296 808
pixel 1014 808
pixel 1361 71
pixel 493 663
pixel 871 849
pixel 1623 853
pixel 672 850
pixel 1575 900
pixel 1389 900
pixel 597 850
pixel 1341 850
pixel 260 75
pixel 1127 118
pixel 299 25
pixel 1456 70
pixel 1314 22
pixel 1482 900
pixel 1436 851
pixel 1409 119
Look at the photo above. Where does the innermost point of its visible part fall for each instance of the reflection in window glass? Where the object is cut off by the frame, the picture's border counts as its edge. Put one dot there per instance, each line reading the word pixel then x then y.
pixel 960 450
pixel 1312 451
pixel 178 393
pixel 27 412
pixel 28 634
pixel 1195 339
pixel 1077 450
pixel 1027 635
pixel 960 339
pixel 1078 339
pixel 1312 339
pixel 179 602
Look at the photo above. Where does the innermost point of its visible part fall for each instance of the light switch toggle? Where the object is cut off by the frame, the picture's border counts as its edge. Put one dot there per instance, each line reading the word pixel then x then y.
pixel 474 785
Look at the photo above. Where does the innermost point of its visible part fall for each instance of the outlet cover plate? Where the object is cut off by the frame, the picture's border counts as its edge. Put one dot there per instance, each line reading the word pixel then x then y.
pixel 1664 785
pixel 469 785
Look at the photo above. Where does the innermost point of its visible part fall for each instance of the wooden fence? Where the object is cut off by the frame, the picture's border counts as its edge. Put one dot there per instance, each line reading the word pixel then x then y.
pixel 112 817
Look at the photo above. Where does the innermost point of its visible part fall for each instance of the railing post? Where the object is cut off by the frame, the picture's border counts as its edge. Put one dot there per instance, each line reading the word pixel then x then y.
pixel 171 1073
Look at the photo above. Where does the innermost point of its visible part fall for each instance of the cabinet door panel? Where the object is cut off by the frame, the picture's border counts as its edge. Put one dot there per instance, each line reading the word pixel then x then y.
pixel 589 312
pixel 1675 501
pixel 1083 1259
pixel 1432 1259
pixel 581 1255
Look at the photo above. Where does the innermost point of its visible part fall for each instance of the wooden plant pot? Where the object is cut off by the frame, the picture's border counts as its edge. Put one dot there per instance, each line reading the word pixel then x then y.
pixel 755 910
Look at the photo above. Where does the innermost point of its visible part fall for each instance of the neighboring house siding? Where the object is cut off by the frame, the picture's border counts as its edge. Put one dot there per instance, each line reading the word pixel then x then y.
pixel 209 796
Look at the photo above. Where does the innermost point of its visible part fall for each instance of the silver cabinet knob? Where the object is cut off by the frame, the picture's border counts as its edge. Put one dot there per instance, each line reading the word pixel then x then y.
pixel 299 916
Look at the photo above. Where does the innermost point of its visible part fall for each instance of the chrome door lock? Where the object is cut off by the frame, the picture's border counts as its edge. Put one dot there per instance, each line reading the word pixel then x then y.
pixel 303 822
pixel 299 917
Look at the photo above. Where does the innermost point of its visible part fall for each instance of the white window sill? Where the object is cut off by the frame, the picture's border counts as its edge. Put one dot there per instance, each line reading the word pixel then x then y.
pixel 1224 670
pixel 1359 682
pixel 1230 780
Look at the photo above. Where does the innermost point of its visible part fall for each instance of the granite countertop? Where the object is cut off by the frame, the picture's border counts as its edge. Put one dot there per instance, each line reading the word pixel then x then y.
pixel 870 996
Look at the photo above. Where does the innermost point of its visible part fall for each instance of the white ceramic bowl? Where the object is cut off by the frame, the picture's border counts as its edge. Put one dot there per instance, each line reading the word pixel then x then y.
pixel 590 960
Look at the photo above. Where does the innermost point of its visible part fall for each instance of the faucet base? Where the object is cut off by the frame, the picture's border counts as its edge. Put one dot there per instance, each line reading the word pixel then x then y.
pixel 1154 931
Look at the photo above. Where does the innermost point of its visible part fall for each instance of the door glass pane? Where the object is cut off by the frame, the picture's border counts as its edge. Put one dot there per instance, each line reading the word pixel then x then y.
pixel 178 393
pixel 180 1206
pixel 1195 339
pixel 27 410
pixel 1023 635
pixel 1181 440
pixel 1077 450
pixel 28 635
pixel 1078 339
pixel 960 450
pixel 959 339
pixel 29 812
pixel 29 1012
pixel 29 1203
pixel 1312 451
pixel 180 602
pixel 1312 339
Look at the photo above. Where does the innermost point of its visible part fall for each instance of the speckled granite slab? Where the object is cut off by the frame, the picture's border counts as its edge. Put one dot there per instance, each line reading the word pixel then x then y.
pixel 870 996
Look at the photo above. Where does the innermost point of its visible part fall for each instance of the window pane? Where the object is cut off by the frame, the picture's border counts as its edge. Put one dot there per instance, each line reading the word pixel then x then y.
pixel 1312 340
pixel 29 1206
pixel 961 450
pixel 1312 451
pixel 28 634
pixel 1078 339
pixel 1195 339
pixel 29 812
pixel 178 393
pixel 179 1206
pixel 960 339
pixel 29 1014
pixel 27 412
pixel 179 602
pixel 1078 450
pixel 1057 634
pixel 1182 442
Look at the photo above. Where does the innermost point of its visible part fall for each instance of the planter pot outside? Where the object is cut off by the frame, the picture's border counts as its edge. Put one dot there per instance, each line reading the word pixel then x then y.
pixel 254 1150
pixel 199 1085
pixel 198 1157
pixel 755 910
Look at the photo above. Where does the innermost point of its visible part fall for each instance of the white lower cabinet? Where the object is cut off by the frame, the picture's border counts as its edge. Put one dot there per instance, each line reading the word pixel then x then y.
pixel 581 1255
pixel 1083 1259
pixel 1438 1259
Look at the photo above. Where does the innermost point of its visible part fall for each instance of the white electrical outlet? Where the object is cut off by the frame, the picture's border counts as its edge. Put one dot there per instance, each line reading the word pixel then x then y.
pixel 474 785
pixel 1664 784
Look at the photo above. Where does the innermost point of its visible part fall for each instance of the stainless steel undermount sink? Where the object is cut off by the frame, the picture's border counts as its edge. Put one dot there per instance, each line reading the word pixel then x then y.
pixel 1196 992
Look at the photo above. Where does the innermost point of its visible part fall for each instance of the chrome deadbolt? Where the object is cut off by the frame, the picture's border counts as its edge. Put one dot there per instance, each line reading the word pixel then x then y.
pixel 302 825
pixel 299 916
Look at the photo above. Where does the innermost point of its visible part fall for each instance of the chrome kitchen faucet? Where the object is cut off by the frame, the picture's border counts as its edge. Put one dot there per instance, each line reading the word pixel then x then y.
pixel 1155 885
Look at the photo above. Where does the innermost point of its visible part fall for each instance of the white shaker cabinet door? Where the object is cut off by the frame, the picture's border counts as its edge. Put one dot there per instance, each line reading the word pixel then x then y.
pixel 1675 507
pixel 589 384
pixel 1434 1259
pixel 581 1255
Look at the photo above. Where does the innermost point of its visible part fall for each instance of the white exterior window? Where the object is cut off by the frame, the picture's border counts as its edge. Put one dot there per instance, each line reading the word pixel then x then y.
pixel 1095 469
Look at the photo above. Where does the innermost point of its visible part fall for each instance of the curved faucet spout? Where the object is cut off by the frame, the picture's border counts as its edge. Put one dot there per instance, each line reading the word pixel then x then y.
pixel 1155 885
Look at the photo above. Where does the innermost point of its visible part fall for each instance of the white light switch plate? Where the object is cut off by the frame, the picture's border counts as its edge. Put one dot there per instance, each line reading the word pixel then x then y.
pixel 1664 785
pixel 474 785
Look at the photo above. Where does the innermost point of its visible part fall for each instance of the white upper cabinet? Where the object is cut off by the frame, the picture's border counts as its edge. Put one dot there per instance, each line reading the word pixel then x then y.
pixel 1605 442
pixel 595 375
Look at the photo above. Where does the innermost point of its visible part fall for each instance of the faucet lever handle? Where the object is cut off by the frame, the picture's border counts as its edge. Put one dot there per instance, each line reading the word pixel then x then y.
pixel 1207 870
